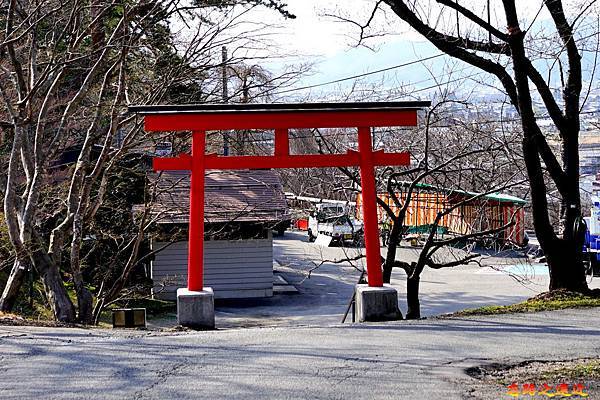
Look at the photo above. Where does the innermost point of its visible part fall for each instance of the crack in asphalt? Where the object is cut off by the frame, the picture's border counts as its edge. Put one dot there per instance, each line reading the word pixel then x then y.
pixel 163 375
pixel 13 335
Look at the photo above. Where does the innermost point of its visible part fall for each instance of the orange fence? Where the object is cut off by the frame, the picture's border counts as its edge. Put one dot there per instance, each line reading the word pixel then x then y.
pixel 476 216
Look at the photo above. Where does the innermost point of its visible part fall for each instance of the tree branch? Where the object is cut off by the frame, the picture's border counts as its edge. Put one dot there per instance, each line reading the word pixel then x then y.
pixel 455 48
pixel 474 18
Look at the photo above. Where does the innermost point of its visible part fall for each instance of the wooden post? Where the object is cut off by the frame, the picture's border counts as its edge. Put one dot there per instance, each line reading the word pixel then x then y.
pixel 196 223
pixel 369 207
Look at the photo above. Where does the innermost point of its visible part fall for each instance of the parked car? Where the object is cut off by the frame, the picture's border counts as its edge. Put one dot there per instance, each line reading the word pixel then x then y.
pixel 532 245
pixel 334 220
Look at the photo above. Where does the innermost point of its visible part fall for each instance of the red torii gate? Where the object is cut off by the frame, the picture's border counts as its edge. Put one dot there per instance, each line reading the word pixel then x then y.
pixel 281 118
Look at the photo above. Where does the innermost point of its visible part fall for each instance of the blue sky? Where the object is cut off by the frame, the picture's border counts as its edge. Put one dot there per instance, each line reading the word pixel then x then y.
pixel 356 61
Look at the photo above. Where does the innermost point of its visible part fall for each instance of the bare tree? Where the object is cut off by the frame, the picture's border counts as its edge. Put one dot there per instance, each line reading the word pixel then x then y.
pixel 462 163
pixel 67 72
pixel 510 57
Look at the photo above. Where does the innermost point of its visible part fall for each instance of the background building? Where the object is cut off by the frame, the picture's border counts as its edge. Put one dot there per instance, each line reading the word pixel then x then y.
pixel 241 210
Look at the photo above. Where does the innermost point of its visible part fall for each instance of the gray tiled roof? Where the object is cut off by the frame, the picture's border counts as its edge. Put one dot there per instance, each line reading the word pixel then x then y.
pixel 242 196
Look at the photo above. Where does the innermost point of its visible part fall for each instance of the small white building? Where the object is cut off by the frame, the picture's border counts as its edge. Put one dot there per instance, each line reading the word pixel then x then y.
pixel 241 210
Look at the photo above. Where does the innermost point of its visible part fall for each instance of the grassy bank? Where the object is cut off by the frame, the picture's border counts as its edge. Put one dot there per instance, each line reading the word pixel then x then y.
pixel 549 301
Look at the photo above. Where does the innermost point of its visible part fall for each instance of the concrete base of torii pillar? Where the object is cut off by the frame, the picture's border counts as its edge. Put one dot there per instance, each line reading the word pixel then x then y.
pixel 377 303
pixel 196 310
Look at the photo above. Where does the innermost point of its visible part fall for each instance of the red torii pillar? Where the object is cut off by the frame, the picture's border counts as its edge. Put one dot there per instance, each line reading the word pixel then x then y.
pixel 201 118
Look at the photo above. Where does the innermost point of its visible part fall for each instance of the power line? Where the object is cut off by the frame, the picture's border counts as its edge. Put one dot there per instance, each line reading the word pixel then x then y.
pixel 446 83
pixel 360 75
pixel 380 71
pixel 433 78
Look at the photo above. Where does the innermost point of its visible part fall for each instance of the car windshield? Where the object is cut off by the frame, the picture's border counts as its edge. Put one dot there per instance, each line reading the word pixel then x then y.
pixel 329 212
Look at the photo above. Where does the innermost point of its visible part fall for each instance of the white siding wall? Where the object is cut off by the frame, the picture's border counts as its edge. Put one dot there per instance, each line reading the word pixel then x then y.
pixel 232 268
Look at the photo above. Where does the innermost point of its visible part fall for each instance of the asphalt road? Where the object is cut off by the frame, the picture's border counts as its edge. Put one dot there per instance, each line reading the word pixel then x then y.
pixel 413 360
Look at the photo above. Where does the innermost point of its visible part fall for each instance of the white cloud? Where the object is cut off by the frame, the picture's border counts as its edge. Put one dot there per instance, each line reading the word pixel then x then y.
pixel 314 33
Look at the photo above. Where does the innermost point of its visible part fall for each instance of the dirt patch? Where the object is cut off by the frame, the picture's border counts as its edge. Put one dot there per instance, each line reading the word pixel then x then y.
pixel 563 294
pixel 537 380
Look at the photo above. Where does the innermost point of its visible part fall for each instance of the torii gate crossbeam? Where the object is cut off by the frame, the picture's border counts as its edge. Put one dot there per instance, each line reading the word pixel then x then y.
pixel 281 117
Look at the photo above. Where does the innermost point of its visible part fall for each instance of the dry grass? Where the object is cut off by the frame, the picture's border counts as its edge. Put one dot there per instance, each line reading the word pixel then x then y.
pixel 548 301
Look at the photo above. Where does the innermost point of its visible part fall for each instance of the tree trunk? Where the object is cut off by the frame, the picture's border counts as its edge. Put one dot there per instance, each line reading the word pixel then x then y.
pixel 564 255
pixel 59 300
pixel 412 297
pixel 84 297
pixel 57 295
pixel 85 305
pixel 390 259
pixel 566 266
pixel 388 265
pixel 13 286
pixel 98 33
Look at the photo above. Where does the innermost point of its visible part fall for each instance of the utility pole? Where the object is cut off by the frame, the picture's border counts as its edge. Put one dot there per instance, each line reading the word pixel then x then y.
pixel 242 137
pixel 225 96
pixel 457 22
